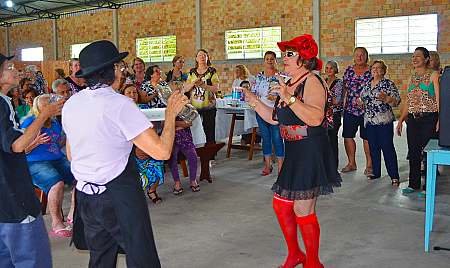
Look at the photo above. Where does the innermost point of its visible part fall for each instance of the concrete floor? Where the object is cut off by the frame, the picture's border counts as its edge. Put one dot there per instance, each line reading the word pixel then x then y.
pixel 230 223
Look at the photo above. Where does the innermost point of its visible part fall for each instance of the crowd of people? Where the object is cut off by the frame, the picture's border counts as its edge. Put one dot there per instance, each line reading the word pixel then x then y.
pixel 302 113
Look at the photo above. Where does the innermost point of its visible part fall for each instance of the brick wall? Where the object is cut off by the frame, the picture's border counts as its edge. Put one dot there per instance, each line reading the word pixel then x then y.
pixel 2 41
pixel 157 19
pixel 83 28
pixel 178 18
pixel 31 34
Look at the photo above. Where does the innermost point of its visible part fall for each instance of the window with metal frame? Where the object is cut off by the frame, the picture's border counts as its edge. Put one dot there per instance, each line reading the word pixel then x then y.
pixel 395 35
pixel 75 49
pixel 156 49
pixel 32 54
pixel 252 43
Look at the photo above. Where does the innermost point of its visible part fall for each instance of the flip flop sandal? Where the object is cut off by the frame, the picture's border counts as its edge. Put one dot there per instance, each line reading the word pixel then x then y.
pixel 177 191
pixel 63 232
pixel 195 188
pixel 395 182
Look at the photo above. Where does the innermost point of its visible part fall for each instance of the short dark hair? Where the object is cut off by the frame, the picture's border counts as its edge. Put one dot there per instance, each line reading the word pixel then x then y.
pixel 310 64
pixel 269 52
pixel 244 82
pixel 150 71
pixel 103 76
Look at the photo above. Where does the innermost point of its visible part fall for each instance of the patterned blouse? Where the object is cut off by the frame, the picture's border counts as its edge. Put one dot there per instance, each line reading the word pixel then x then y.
pixel 421 95
pixel 378 112
pixel 336 91
pixel 353 84
pixel 156 102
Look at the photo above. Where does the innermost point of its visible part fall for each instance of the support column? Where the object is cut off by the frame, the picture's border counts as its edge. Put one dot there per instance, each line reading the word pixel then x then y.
pixel 316 22
pixel 115 26
pixel 55 39
pixel 8 52
pixel 198 24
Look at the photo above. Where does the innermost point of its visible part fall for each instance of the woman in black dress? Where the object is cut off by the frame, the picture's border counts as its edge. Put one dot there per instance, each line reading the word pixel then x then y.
pixel 309 168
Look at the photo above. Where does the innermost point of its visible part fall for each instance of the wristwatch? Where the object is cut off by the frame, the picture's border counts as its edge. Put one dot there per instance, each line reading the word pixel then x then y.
pixel 291 101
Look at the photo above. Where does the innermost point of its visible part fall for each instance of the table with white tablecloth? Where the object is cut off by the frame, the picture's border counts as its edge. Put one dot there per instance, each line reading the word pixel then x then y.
pixel 224 115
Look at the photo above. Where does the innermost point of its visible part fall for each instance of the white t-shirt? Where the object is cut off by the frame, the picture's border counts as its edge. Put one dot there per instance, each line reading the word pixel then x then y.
pixel 100 125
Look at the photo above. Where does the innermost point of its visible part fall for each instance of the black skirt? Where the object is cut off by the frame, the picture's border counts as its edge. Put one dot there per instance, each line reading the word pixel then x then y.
pixel 308 170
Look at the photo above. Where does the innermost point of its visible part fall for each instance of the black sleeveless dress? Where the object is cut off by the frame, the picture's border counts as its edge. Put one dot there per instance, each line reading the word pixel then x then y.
pixel 309 168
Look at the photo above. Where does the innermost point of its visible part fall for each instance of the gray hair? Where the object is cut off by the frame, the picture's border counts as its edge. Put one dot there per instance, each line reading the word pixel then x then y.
pixel 58 82
pixel 333 65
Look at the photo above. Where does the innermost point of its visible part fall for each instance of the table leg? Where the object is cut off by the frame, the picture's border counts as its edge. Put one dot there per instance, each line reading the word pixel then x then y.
pixel 252 144
pixel 431 180
pixel 206 154
pixel 230 135
pixel 432 193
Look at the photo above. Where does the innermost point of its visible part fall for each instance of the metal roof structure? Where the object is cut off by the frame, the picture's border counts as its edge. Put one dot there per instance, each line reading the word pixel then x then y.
pixel 28 10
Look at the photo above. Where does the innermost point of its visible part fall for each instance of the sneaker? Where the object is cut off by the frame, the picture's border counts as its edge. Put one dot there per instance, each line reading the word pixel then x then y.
pixel 408 190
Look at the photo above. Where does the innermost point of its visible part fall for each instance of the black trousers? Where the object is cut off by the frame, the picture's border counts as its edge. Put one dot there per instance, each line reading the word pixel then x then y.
pixel 419 131
pixel 104 236
pixel 333 136
pixel 209 124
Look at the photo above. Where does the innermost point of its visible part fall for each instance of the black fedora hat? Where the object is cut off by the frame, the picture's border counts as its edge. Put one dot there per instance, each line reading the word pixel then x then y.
pixel 3 58
pixel 97 56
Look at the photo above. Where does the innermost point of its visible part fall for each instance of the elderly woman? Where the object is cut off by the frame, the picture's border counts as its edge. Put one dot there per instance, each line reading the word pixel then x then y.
pixel 176 74
pixel 24 109
pixel 335 85
pixel 270 133
pixel 138 76
pixel 61 87
pixel 378 98
pixel 309 168
pixel 355 77
pixel 151 171
pixel 421 113
pixel 149 87
pixel 48 166
pixel 76 84
pixel 203 83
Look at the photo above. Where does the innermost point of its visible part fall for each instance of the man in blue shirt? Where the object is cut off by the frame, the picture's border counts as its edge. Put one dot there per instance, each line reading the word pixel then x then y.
pixel 23 238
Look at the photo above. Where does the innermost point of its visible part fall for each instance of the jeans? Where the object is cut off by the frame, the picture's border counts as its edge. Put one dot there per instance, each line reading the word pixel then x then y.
pixel 381 138
pixel 24 245
pixel 270 134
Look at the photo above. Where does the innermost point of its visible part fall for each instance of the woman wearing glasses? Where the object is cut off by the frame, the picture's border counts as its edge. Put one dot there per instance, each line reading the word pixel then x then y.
pixel 309 169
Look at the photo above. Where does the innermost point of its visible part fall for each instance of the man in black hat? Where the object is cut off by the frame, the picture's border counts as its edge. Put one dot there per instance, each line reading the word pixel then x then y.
pixel 23 237
pixel 101 127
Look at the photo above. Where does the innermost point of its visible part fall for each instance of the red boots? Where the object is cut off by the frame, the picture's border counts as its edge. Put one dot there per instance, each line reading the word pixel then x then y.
pixel 284 209
pixel 310 229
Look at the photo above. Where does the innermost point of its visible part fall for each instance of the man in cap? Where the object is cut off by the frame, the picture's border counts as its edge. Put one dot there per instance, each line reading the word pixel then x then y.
pixel 23 238
pixel 101 127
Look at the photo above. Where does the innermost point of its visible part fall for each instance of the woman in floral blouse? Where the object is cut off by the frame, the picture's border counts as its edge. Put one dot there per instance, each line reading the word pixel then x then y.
pixel 379 96
pixel 335 86
pixel 421 113
pixel 355 77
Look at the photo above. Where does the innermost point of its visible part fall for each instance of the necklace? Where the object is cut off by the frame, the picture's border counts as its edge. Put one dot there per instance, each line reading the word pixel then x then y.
pixel 296 81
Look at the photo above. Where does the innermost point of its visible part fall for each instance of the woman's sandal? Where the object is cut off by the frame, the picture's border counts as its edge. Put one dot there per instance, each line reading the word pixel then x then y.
pixel 395 182
pixel 266 171
pixel 154 197
pixel 195 188
pixel 177 191
pixel 348 168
